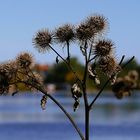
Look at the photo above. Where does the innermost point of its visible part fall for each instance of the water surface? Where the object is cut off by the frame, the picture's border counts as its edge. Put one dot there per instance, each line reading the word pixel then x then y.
pixel 22 118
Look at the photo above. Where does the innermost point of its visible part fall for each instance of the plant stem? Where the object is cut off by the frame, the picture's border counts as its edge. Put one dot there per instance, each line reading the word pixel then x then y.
pixel 99 93
pixel 87 123
pixel 68 116
pixel 90 52
pixel 68 51
pixel 122 60
pixel 59 105
pixel 68 65
pixel 66 113
pixel 85 77
pixel 85 95
pixel 128 62
pixel 92 58
pixel 90 106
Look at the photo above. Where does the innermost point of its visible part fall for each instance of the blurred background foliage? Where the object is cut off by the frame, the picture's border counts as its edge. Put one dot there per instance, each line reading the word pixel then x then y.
pixel 60 74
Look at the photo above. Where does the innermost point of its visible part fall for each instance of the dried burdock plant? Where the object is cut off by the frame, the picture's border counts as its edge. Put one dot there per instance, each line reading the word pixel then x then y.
pixel 24 60
pixel 42 40
pixel 97 23
pixel 124 85
pixel 103 48
pixel 65 34
pixel 84 32
pixel 91 27
pixel 98 57
pixel 109 65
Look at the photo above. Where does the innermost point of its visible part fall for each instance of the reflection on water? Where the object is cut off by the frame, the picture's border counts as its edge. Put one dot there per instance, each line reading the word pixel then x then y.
pixel 110 118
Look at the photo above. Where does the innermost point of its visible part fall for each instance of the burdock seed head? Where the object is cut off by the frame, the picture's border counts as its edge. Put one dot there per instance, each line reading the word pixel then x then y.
pixel 84 32
pixel 134 76
pixel 8 69
pixel 7 74
pixel 24 60
pixel 97 23
pixel 109 65
pixel 123 86
pixel 91 27
pixel 65 34
pixel 103 48
pixel 42 40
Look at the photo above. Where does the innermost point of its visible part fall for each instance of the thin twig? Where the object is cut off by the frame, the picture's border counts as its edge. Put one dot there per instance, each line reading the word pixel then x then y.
pixel 85 76
pixel 90 52
pixel 128 62
pixel 99 93
pixel 39 88
pixel 85 94
pixel 69 66
pixel 68 51
pixel 122 60
pixel 92 58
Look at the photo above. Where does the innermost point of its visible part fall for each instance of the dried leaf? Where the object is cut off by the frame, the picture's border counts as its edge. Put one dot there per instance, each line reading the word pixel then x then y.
pixel 76 105
pixel 76 91
pixel 43 102
pixel 57 60
pixel 83 50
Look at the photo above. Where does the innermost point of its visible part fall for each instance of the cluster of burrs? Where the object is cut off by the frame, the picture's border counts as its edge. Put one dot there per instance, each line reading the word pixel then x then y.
pixel 124 85
pixel 97 51
pixel 18 73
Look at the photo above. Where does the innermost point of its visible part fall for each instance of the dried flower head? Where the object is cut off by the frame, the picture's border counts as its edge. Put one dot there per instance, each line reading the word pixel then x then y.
pixel 7 73
pixel 4 84
pixel 97 23
pixel 103 48
pixel 90 27
pixel 109 66
pixel 42 40
pixel 123 87
pixel 131 83
pixel 133 75
pixel 84 32
pixel 65 33
pixel 24 60
pixel 8 69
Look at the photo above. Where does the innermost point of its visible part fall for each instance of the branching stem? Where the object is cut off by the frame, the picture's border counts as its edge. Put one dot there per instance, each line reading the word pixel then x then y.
pixel 99 93
pixel 58 104
pixel 67 63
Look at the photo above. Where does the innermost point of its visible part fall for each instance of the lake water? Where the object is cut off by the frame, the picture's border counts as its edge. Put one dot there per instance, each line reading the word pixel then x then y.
pixel 22 118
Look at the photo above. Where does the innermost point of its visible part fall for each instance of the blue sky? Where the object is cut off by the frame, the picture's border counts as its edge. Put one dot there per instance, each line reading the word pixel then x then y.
pixel 21 19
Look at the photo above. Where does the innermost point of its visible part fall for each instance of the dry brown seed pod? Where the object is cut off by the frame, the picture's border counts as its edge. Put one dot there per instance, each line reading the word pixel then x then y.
pixel 42 40
pixel 65 34
pixel 84 32
pixel 103 48
pixel 98 23
pixel 24 60
pixel 109 65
